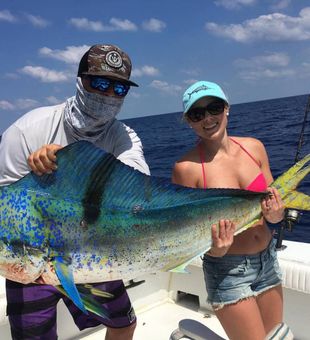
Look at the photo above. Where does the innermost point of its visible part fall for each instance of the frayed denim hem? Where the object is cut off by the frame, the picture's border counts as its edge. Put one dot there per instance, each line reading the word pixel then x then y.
pixel 218 306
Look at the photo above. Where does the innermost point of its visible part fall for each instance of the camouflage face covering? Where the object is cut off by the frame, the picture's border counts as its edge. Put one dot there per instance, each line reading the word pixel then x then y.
pixel 87 114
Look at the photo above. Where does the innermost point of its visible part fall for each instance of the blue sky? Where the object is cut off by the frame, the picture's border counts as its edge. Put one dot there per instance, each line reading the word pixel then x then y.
pixel 254 49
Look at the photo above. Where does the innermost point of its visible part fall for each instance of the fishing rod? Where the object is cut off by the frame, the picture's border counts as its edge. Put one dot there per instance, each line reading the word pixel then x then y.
pixel 292 216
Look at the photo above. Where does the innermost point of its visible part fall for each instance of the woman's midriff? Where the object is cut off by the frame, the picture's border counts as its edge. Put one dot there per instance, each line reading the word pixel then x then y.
pixel 252 240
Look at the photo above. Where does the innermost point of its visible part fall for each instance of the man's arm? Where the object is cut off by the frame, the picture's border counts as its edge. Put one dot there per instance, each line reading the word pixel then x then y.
pixel 125 145
pixel 14 151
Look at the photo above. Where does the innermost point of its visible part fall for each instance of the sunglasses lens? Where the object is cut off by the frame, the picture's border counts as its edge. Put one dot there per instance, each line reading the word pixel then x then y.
pixel 215 108
pixel 196 114
pixel 101 84
pixel 121 89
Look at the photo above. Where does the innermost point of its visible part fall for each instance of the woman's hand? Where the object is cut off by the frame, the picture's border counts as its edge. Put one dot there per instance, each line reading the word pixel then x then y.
pixel 43 160
pixel 273 207
pixel 222 238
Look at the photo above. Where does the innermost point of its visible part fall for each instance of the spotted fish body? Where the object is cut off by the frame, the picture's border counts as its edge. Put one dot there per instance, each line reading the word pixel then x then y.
pixel 96 219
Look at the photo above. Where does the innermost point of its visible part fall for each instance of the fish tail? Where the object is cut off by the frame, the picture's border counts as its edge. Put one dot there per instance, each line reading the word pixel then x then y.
pixel 288 182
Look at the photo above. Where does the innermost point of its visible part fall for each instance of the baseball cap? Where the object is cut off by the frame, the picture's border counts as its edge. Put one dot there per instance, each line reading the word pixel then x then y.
pixel 199 90
pixel 106 60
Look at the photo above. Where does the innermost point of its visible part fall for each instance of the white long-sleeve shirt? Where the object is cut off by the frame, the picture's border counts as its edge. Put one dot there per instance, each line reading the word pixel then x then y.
pixel 45 125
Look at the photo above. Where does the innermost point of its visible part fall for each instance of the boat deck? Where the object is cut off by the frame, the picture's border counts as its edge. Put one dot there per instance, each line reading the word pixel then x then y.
pixel 159 322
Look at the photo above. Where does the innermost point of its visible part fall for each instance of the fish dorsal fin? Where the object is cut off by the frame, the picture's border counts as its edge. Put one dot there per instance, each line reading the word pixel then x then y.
pixel 87 173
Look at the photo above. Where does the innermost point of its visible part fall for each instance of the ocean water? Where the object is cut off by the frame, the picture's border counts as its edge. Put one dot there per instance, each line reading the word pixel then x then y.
pixel 277 123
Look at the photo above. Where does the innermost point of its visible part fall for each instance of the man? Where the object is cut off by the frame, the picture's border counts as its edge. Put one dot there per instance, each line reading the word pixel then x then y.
pixel 31 143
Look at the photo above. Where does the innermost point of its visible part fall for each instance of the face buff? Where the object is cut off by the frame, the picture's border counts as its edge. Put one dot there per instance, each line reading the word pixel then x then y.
pixel 87 114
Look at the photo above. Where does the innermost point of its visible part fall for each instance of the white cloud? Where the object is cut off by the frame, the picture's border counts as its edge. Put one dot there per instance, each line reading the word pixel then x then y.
pixel 189 82
pixel 192 72
pixel 135 95
pixel 53 100
pixel 166 87
pixel 26 103
pixel 270 59
pixel 44 74
pixel 145 70
pixel 6 15
pixel 5 105
pixel 154 25
pixel 279 5
pixel 122 25
pixel 85 24
pixel 273 27
pixel 37 21
pixel 271 65
pixel 233 4
pixel 97 26
pixel 266 73
pixel 22 103
pixel 70 55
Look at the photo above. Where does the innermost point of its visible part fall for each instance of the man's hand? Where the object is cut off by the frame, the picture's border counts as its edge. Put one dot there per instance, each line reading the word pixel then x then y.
pixel 43 161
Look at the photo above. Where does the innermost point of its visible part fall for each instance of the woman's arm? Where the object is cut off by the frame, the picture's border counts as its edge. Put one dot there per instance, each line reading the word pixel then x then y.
pixel 184 174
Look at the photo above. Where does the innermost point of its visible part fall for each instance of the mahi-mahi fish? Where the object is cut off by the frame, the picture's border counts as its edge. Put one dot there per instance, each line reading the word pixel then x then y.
pixel 96 219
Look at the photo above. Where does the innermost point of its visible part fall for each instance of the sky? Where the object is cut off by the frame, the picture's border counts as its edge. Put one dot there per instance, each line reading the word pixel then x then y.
pixel 254 49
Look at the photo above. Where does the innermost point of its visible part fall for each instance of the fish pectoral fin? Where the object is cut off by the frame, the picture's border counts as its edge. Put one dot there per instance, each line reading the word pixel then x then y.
pixel 86 297
pixel 63 269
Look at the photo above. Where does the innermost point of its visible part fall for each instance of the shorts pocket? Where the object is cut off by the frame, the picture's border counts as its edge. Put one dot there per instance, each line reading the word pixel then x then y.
pixel 225 268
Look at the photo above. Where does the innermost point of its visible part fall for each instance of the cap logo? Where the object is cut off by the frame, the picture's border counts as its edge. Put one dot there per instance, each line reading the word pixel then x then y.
pixel 200 88
pixel 114 59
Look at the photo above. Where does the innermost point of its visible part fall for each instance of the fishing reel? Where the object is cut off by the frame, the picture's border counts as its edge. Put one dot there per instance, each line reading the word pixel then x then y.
pixel 291 217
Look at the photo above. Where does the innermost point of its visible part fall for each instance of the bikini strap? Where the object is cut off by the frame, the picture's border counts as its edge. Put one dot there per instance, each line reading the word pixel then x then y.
pixel 245 150
pixel 202 160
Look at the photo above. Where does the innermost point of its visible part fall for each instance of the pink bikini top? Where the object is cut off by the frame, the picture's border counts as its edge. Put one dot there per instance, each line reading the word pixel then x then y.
pixel 258 184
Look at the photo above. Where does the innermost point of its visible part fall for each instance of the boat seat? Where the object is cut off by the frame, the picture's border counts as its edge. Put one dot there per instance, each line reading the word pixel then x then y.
pixel 192 329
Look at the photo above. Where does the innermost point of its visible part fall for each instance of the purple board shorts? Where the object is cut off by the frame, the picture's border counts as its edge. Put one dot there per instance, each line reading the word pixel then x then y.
pixel 32 309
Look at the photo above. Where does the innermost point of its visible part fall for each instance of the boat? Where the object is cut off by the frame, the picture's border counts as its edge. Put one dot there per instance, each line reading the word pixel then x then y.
pixel 171 306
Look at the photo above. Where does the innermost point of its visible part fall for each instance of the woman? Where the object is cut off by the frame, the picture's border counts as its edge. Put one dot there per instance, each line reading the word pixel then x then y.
pixel 241 272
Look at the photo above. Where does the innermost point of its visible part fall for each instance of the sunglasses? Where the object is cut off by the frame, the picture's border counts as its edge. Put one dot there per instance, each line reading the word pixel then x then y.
pixel 103 84
pixel 197 114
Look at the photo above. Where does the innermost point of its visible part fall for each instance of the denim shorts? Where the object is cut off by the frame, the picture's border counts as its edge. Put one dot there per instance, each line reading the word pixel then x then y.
pixel 232 278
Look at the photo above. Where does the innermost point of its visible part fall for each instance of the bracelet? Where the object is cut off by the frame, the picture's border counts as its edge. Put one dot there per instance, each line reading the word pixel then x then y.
pixel 273 224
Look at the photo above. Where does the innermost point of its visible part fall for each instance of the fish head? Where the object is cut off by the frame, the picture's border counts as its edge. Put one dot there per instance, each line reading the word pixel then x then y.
pixel 21 263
